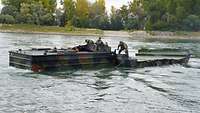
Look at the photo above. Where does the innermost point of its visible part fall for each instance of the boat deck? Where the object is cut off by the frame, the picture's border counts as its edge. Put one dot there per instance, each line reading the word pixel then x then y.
pixel 160 54
pixel 48 59
pixel 50 52
pixel 151 58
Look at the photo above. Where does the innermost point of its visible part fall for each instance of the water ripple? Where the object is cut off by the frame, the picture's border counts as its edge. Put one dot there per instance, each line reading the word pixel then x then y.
pixel 167 89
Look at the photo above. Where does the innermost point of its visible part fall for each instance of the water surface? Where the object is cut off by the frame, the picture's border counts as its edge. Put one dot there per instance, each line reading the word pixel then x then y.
pixel 168 89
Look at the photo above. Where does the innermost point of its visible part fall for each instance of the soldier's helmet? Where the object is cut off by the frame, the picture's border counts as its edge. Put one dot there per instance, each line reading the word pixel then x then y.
pixel 86 41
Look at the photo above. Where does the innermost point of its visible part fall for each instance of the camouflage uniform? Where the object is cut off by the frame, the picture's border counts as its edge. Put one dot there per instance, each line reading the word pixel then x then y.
pixel 90 46
pixel 89 42
pixel 99 44
pixel 106 47
pixel 123 46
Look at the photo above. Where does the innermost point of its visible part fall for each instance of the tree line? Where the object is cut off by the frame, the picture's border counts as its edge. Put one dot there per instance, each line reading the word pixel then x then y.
pixel 166 15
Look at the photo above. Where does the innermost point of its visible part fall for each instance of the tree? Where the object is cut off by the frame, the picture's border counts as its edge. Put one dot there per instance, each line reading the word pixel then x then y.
pixel 50 5
pixel 47 19
pixel 192 22
pixel 98 17
pixel 100 7
pixel 14 3
pixel 60 17
pixel 7 19
pixel 104 23
pixel 180 13
pixel 196 8
pixel 156 14
pixel 9 10
pixel 25 15
pixel 69 10
pixel 37 11
pixel 116 19
pixel 82 13
pixel 137 12
pixel 124 12
pixel 41 15
pixel 30 11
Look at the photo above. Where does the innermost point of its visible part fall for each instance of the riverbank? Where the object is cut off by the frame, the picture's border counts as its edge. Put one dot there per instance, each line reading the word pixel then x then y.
pixel 52 30
pixel 55 30
pixel 165 35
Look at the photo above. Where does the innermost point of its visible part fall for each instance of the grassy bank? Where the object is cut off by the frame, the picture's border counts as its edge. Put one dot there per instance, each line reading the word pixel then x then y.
pixel 165 35
pixel 187 33
pixel 25 28
pixel 175 33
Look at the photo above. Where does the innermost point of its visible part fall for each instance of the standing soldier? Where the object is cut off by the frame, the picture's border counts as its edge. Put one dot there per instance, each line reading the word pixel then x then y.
pixel 99 44
pixel 123 47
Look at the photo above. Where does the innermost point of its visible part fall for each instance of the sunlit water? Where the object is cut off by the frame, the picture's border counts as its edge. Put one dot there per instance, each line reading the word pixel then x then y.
pixel 168 89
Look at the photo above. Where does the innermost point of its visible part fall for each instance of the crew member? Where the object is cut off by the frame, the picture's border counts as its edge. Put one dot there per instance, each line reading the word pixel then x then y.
pixel 88 42
pixel 123 47
pixel 99 44
pixel 90 46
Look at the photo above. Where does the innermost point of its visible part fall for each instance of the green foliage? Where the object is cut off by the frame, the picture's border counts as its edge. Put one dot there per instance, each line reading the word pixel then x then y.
pixel 7 19
pixel 49 29
pixel 97 15
pixel 50 5
pixel 82 13
pixel 180 13
pixel 69 7
pixel 47 19
pixel 104 23
pixel 132 24
pixel 14 3
pixel 100 22
pixel 172 14
pixel 98 8
pixel 9 10
pixel 58 17
pixel 69 26
pixel 39 12
pixel 124 12
pixel 137 15
pixel 116 20
pixel 192 22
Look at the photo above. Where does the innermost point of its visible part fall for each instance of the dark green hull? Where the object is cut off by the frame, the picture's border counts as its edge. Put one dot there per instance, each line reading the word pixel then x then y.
pixel 60 61
pixel 39 60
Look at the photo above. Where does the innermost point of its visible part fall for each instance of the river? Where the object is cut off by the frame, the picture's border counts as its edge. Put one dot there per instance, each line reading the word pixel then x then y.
pixel 167 89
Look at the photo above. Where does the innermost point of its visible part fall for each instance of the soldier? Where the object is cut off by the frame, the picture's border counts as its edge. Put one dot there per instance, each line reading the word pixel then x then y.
pixel 99 41
pixel 90 46
pixel 54 49
pixel 123 46
pixel 89 42
pixel 99 44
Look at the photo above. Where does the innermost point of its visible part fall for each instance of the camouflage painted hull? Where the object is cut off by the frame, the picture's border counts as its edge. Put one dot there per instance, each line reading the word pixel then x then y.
pixel 160 57
pixel 39 60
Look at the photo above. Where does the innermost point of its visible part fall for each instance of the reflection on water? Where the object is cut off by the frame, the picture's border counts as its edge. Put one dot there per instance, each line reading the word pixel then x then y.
pixel 168 89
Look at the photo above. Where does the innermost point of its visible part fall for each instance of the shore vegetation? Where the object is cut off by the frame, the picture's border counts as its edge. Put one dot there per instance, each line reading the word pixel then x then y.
pixel 27 28
pixel 159 15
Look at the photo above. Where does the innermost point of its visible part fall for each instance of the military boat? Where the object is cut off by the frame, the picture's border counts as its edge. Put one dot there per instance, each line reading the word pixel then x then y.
pixel 48 59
